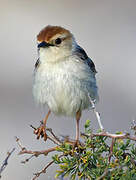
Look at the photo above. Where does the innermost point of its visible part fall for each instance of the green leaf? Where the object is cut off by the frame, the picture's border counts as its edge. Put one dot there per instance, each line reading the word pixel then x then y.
pixel 87 124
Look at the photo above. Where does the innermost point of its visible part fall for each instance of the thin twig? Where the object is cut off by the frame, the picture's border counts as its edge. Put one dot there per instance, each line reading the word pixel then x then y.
pixel 116 136
pixel 53 140
pixel 5 162
pixel 19 143
pixel 97 114
pixel 52 133
pixel 44 169
pixel 32 127
pixel 35 153
pixel 67 139
pixel 111 148
pixel 27 159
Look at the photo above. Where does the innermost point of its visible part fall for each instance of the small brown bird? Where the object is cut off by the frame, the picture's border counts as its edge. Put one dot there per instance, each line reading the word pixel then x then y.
pixel 64 76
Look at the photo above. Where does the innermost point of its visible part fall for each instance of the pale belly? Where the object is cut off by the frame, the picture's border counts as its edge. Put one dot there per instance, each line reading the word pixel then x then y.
pixel 64 92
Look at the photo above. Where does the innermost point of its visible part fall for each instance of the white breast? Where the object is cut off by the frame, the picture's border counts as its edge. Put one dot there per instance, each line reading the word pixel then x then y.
pixel 64 86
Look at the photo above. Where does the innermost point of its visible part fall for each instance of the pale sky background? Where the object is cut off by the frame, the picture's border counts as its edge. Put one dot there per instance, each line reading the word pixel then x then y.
pixel 106 29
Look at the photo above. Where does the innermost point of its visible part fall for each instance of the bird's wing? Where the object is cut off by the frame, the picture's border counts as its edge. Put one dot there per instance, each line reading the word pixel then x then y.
pixel 37 63
pixel 83 56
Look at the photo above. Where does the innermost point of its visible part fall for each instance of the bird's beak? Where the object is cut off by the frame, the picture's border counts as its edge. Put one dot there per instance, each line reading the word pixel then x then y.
pixel 44 44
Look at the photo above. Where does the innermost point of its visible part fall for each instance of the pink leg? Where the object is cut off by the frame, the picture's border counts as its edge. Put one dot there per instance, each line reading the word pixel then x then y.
pixel 41 131
pixel 78 116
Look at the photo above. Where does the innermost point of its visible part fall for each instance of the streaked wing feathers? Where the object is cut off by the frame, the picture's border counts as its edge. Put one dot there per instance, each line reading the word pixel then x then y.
pixel 82 54
pixel 37 63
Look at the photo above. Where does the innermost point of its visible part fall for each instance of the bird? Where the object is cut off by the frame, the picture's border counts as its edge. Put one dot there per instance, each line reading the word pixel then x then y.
pixel 64 76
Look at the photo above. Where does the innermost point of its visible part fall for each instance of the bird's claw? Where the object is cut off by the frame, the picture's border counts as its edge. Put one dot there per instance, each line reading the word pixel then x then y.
pixel 41 132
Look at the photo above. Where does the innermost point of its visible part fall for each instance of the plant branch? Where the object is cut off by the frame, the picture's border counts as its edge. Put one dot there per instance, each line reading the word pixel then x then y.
pixel 115 136
pixel 52 133
pixel 110 135
pixel 44 169
pixel 97 114
pixel 111 148
pixel 5 162
pixel 35 153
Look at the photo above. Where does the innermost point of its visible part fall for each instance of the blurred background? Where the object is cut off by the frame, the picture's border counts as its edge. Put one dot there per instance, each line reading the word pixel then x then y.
pixel 105 29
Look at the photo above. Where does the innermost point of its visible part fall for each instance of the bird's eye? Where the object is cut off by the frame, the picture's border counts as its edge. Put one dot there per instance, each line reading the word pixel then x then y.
pixel 58 41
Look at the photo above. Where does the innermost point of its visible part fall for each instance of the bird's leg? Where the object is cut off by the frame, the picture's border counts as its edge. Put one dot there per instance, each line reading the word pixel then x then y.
pixel 46 117
pixel 41 131
pixel 78 116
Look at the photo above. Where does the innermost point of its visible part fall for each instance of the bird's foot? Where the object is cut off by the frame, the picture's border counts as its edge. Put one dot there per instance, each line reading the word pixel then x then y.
pixel 41 132
pixel 75 145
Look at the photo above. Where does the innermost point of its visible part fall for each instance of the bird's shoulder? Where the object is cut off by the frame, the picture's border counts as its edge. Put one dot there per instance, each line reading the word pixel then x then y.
pixel 80 52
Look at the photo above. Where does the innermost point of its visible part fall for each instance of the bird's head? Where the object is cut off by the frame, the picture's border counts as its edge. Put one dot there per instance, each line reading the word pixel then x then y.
pixel 54 43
